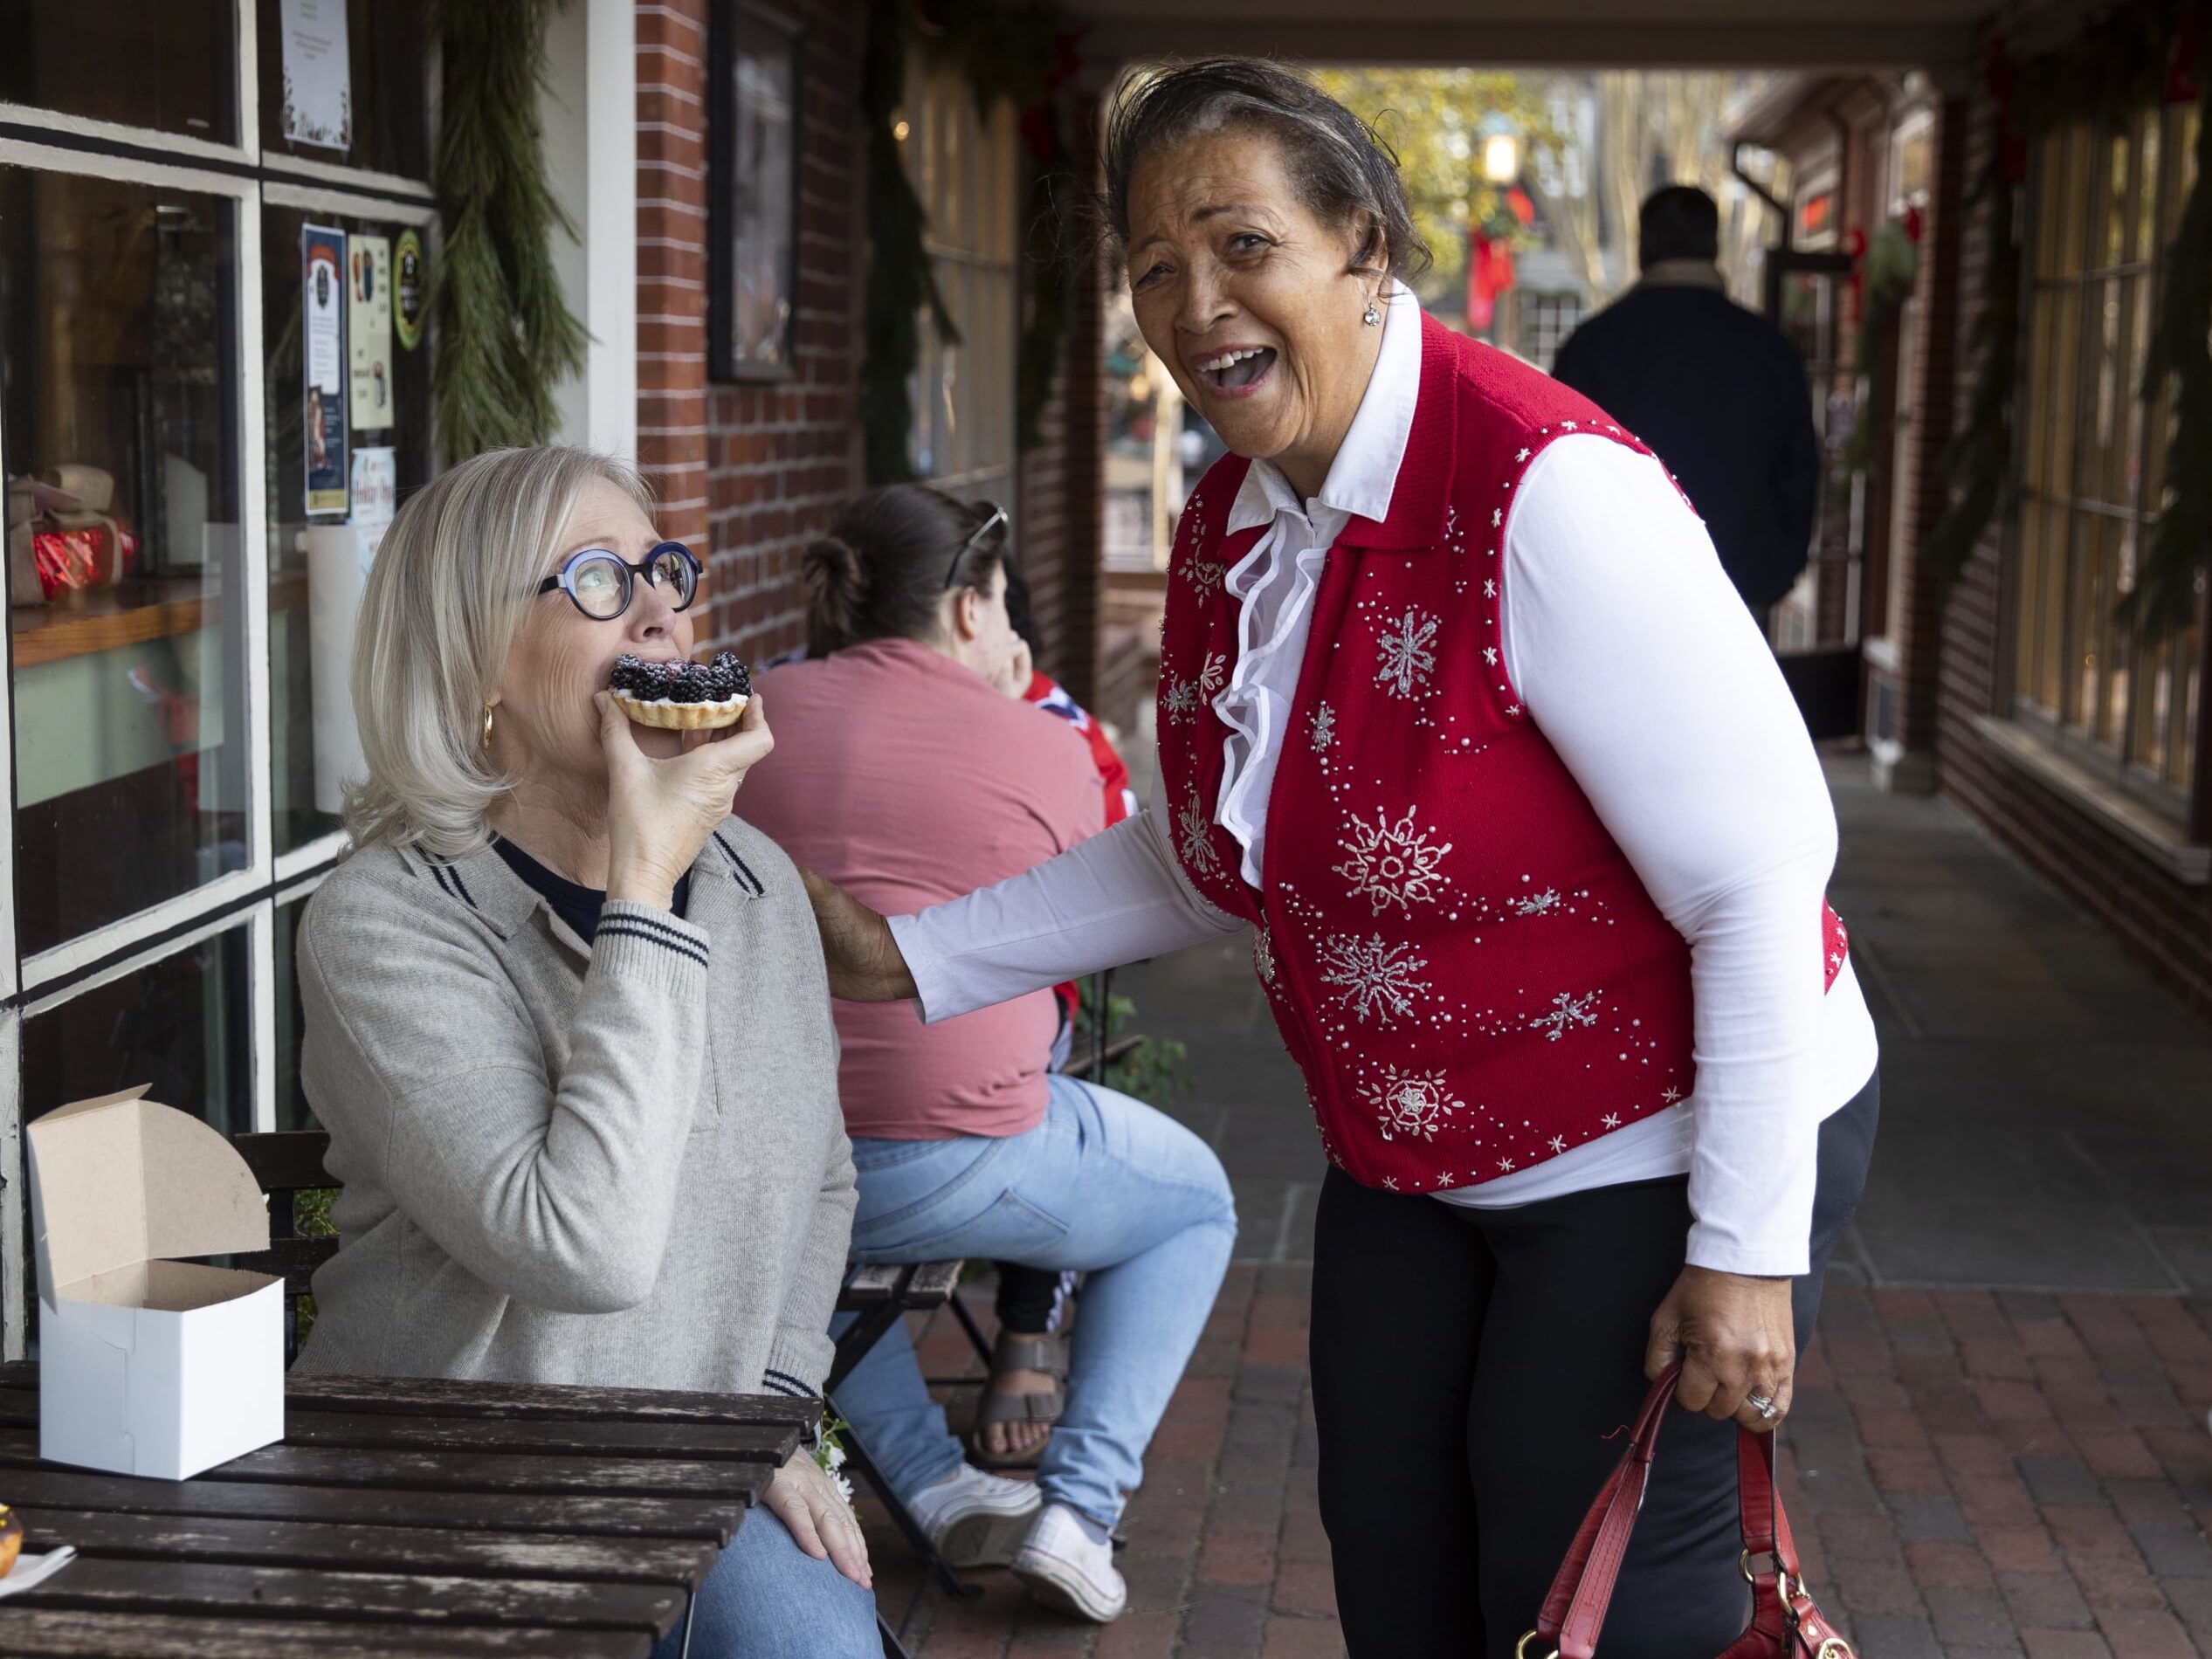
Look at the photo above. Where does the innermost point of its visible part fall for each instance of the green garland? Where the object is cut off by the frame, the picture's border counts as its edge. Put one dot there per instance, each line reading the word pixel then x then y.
pixel 2111 72
pixel 1016 50
pixel 506 336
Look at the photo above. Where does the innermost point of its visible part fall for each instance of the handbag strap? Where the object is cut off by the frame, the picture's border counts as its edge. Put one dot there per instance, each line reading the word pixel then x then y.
pixel 1574 1611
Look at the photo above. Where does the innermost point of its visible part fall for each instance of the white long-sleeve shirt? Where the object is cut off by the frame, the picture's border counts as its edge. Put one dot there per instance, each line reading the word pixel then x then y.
pixel 1641 667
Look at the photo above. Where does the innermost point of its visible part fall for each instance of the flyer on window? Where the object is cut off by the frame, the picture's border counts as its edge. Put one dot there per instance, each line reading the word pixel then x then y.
pixel 368 331
pixel 322 361
pixel 318 74
pixel 410 290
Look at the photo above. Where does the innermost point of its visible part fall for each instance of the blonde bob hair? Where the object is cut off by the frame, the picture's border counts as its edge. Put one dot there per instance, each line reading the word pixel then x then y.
pixel 452 581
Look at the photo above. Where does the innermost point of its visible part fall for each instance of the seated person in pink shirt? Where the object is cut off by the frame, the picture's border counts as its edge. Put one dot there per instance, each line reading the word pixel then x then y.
pixel 908 776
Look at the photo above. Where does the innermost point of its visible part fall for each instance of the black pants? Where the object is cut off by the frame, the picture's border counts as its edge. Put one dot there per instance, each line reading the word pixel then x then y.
pixel 1468 1367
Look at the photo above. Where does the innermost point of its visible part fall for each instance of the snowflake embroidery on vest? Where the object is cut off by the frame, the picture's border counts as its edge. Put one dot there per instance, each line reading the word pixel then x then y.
pixel 1181 702
pixel 1204 577
pixel 1264 956
pixel 1392 863
pixel 1214 675
pixel 1372 977
pixel 1195 839
pixel 1412 1104
pixel 1538 904
pixel 1568 1012
pixel 1405 654
pixel 1323 720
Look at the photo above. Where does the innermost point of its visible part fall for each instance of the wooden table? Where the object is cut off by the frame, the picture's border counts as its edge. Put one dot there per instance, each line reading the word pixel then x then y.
pixel 398 1518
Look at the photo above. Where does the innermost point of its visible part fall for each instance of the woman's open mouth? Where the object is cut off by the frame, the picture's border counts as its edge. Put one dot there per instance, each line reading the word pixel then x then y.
pixel 1237 372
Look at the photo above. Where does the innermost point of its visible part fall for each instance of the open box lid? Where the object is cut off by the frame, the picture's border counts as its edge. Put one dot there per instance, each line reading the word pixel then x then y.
pixel 122 1180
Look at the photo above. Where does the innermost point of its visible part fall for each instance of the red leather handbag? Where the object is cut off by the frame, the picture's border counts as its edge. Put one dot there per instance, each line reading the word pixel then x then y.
pixel 1784 1622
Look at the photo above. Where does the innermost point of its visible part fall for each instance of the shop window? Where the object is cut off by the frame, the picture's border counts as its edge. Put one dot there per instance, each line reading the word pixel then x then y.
pixel 167 67
pixel 181 1024
pixel 387 448
pixel 364 103
pixel 118 308
pixel 965 168
pixel 2106 202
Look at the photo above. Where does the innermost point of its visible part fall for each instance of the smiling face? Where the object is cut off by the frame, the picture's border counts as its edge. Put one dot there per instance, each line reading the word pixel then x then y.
pixel 546 727
pixel 1250 299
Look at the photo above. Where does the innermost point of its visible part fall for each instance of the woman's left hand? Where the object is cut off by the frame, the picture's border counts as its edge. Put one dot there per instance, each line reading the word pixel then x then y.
pixel 1734 1337
pixel 820 1521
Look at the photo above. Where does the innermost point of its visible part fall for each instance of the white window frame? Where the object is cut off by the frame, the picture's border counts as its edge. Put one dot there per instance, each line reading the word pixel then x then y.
pixel 244 900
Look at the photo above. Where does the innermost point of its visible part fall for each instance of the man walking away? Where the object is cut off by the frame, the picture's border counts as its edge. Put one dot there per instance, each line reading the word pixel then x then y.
pixel 1714 388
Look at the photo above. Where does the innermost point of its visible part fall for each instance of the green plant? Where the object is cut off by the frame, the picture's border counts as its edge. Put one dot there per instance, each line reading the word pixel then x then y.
pixel 505 335
pixel 1151 1071
pixel 311 1217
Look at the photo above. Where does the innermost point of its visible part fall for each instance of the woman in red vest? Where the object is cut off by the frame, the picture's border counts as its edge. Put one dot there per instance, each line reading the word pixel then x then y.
pixel 1459 713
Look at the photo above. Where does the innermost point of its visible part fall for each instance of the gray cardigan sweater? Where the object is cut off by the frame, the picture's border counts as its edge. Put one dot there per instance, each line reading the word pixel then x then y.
pixel 620 1164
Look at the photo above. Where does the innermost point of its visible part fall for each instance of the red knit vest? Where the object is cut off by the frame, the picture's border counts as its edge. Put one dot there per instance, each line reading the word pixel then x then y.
pixel 1459 956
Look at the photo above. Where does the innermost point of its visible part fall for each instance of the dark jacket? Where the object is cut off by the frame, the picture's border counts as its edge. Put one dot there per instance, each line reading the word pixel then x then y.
pixel 1723 398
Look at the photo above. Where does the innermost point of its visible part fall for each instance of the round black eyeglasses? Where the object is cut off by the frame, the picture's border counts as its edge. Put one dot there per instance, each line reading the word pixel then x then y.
pixel 599 582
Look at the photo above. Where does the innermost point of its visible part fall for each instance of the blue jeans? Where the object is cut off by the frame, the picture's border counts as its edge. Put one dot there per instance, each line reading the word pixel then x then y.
pixel 767 1599
pixel 1104 1185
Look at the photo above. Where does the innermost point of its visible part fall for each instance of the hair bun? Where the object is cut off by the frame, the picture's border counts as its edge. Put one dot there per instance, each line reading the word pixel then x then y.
pixel 834 580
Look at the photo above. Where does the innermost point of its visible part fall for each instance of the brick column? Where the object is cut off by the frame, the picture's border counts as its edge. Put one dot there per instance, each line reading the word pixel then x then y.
pixel 671 263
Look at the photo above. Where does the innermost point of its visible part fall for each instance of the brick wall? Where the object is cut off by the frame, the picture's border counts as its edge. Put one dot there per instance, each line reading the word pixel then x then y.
pixel 750 472
pixel 2167 922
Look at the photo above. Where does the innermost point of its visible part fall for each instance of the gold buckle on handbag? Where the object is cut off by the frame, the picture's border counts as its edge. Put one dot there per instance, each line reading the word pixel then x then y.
pixel 1521 1648
pixel 1790 1591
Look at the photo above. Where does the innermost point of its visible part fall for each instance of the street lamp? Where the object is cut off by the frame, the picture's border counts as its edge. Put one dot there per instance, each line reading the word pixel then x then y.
pixel 1500 158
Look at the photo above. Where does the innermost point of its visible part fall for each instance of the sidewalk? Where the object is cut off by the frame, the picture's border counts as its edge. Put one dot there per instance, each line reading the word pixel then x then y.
pixel 1999 1445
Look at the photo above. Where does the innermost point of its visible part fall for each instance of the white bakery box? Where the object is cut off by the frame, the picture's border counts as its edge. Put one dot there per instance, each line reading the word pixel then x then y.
pixel 148 1365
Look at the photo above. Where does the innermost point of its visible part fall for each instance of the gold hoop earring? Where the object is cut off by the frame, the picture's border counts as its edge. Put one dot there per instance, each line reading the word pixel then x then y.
pixel 487 724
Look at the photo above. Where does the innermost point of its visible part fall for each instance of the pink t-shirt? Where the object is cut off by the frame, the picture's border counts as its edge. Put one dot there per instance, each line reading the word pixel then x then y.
pixel 907 779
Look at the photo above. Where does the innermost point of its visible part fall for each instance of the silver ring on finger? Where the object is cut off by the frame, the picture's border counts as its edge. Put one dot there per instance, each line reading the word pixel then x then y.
pixel 1763 1404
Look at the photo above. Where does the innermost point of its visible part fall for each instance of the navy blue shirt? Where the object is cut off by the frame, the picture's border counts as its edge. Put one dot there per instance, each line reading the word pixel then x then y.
pixel 575 905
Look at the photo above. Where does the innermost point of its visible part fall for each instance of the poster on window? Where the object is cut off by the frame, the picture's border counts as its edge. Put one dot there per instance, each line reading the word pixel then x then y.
pixel 323 365
pixel 318 75
pixel 368 331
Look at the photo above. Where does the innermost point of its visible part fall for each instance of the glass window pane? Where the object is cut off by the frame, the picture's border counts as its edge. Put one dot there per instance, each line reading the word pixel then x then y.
pixel 182 1024
pixel 171 67
pixel 2043 352
pixel 385 77
pixel 118 421
pixel 2050 610
pixel 2061 412
pixel 2188 696
pixel 2026 661
pixel 387 434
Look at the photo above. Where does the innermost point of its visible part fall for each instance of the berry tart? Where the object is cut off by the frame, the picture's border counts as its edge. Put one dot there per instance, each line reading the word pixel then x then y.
pixel 681 696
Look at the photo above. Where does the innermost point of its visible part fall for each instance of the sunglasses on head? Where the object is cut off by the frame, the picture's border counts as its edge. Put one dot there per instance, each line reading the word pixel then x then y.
pixel 996 517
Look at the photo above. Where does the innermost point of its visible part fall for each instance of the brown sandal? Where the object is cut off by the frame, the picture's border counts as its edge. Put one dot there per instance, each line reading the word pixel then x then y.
pixel 1047 1354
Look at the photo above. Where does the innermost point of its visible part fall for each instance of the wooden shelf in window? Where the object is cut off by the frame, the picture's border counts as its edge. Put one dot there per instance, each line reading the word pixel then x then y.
pixel 133 614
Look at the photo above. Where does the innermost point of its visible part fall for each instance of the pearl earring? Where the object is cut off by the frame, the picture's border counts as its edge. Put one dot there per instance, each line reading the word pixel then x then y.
pixel 1372 315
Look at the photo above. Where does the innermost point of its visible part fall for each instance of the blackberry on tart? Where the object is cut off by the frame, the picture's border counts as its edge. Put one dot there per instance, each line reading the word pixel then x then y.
pixel 680 696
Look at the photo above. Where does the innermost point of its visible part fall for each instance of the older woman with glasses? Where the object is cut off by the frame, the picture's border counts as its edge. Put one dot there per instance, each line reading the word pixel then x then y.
pixel 911 770
pixel 566 1020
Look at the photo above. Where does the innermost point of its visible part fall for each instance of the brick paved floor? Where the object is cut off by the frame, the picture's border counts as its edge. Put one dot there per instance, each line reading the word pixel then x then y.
pixel 1972 1474
pixel 2000 1442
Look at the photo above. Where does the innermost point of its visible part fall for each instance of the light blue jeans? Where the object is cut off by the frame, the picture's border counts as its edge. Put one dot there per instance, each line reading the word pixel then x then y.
pixel 766 1598
pixel 1104 1185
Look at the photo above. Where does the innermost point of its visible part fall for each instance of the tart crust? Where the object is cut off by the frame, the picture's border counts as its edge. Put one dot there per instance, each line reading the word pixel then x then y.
pixel 683 717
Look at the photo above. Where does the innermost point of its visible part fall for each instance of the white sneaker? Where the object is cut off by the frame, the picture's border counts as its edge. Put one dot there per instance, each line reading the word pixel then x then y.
pixel 1067 1572
pixel 976 1519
